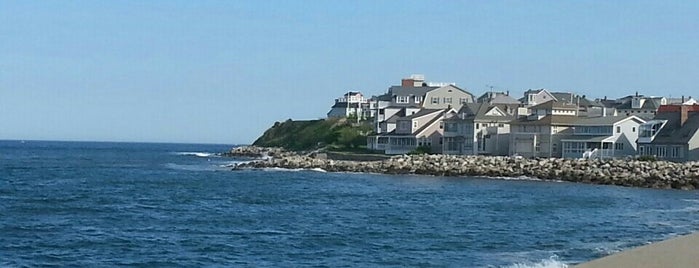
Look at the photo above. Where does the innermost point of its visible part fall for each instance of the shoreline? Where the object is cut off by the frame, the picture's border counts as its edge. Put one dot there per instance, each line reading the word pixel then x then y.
pixel 674 252
pixel 620 172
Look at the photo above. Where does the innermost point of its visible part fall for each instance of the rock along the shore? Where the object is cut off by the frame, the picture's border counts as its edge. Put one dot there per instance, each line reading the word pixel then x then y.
pixel 622 172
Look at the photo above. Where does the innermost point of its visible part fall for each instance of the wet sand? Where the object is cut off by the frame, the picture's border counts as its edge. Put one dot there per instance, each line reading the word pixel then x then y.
pixel 680 251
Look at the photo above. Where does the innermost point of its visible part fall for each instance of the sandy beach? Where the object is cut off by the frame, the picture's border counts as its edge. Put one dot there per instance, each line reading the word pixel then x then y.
pixel 676 252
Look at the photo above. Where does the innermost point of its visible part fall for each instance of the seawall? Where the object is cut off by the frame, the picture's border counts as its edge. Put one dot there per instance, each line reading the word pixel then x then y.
pixel 623 172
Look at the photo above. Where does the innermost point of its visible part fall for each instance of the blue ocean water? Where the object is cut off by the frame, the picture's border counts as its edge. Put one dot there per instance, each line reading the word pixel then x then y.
pixel 176 205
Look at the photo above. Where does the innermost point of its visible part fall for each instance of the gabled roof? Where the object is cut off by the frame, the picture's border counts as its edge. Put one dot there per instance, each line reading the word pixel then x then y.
pixel 673 133
pixel 479 112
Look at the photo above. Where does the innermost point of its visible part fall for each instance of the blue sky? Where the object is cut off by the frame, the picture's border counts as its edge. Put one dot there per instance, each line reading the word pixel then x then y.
pixel 224 71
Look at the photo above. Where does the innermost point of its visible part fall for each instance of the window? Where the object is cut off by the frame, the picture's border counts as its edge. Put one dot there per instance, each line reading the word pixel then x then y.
pixel 447 100
pixel 675 151
pixel 402 99
pixel 618 129
pixel 633 129
pixel 501 125
pixel 435 100
pixel 462 100
pixel 619 146
pixel 661 151
pixel 415 124
pixel 418 99
pixel 441 125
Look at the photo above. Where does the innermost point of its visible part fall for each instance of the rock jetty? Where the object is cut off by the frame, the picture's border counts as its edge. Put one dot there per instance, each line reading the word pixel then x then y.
pixel 258 152
pixel 623 172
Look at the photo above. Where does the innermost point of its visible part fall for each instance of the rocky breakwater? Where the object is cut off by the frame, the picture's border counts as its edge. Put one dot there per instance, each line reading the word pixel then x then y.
pixel 623 172
pixel 258 152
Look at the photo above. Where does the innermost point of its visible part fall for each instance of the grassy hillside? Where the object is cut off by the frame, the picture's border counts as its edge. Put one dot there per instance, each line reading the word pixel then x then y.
pixel 333 134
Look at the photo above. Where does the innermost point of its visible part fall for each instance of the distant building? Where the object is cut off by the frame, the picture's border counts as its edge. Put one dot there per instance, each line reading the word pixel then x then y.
pixel 351 104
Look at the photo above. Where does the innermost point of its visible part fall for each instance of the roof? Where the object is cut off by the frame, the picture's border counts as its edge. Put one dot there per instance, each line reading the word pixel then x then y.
pixel 555 105
pixel 478 112
pixel 407 91
pixel 383 97
pixel 497 98
pixel 602 120
pixel 672 132
pixel 352 93
pixel 649 104
pixel 421 113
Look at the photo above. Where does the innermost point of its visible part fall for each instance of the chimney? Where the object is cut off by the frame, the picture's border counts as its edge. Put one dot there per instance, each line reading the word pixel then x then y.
pixel 604 111
pixel 682 98
pixel 636 93
pixel 684 114
pixel 407 82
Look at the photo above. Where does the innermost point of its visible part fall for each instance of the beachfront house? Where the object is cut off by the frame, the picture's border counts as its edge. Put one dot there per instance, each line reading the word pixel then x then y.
pixel 602 137
pixel 493 97
pixel 672 135
pixel 423 128
pixel 478 129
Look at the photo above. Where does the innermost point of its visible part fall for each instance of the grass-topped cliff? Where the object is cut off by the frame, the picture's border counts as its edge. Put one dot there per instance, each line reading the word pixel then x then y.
pixel 332 134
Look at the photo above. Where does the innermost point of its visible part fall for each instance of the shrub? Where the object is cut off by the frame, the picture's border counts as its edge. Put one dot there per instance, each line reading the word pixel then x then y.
pixel 421 150
pixel 647 158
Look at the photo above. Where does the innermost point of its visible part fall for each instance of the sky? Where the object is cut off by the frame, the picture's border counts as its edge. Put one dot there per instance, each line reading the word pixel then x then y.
pixel 224 71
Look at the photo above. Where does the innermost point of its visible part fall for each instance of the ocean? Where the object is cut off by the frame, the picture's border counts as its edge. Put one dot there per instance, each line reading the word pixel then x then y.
pixel 178 205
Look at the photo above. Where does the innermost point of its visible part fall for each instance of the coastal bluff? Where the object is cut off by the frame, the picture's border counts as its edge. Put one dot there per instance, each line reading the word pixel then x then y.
pixel 623 172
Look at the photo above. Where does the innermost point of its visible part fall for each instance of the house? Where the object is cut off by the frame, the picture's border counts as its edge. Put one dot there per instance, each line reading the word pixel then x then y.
pixel 641 106
pixel 602 137
pixel 423 128
pixel 414 94
pixel 538 133
pixel 672 135
pixel 351 103
pixel 478 129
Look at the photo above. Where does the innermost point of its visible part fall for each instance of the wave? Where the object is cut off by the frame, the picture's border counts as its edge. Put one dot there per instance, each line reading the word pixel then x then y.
pixel 198 154
pixel 294 169
pixel 552 262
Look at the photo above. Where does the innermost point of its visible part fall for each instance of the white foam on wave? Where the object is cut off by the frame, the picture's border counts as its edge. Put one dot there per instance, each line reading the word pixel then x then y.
pixel 294 169
pixel 198 154
pixel 552 262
